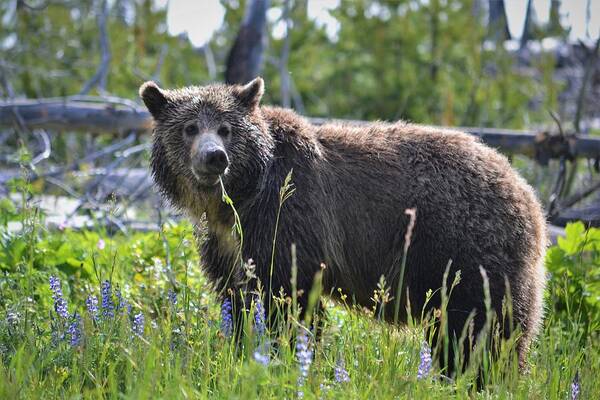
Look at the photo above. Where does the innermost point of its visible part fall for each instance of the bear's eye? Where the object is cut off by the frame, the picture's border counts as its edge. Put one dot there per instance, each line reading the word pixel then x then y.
pixel 223 131
pixel 191 130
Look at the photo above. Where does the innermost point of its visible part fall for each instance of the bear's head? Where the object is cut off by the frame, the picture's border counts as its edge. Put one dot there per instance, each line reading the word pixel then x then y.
pixel 204 134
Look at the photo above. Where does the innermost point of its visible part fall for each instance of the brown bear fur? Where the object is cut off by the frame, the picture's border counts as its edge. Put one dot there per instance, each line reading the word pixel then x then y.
pixel 353 185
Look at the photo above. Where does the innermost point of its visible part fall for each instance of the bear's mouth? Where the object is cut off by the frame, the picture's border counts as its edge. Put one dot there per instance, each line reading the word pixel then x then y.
pixel 206 180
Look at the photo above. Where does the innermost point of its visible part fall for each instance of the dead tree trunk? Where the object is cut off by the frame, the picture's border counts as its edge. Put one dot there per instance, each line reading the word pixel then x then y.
pixel 530 25
pixel 497 23
pixel 554 27
pixel 245 58
pixel 97 115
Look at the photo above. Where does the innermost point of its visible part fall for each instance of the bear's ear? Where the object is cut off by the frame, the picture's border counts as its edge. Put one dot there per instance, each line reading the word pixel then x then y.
pixel 250 94
pixel 154 98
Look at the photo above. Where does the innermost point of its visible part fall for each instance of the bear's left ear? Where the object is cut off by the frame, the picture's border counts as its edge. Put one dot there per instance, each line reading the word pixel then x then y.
pixel 250 94
pixel 154 98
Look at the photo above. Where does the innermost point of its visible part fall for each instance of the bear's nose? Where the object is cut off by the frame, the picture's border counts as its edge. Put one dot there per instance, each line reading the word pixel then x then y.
pixel 216 161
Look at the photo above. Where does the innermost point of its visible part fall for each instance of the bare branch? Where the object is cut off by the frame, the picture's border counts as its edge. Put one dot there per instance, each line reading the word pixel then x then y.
pixel 47 149
pixel 591 60
pixel 580 195
pixel 159 63
pixel 210 61
pixel 284 74
pixel 99 78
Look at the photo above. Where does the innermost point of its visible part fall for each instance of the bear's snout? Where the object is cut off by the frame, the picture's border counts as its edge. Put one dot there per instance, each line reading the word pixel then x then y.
pixel 209 162
pixel 209 158
pixel 216 160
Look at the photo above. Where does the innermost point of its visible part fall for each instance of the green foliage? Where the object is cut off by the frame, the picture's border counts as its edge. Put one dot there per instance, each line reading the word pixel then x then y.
pixel 423 61
pixel 574 287
pixel 153 260
pixel 427 62
pixel 180 352
pixel 57 49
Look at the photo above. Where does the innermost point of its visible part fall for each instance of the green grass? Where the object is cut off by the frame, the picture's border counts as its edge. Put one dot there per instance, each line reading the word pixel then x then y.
pixel 183 353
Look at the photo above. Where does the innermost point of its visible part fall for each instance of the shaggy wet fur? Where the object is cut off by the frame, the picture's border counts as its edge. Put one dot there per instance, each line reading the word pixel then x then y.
pixel 353 185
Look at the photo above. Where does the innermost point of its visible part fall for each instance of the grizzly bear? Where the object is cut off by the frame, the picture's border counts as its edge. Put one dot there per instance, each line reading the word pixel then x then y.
pixel 347 215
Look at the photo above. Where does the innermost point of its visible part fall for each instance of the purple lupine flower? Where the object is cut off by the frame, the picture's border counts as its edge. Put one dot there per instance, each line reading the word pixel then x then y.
pixel 92 306
pixel 226 319
pixel 304 354
pixel 262 354
pixel 60 305
pixel 172 296
pixel 575 388
pixel 137 325
pixel 108 306
pixel 12 318
pixel 340 373
pixel 261 358
pixel 425 364
pixel 74 330
pixel 259 318
pixel 122 304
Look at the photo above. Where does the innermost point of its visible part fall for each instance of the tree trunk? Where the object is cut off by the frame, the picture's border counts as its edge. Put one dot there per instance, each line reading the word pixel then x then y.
pixel 245 58
pixel 528 26
pixel 97 115
pixel 555 28
pixel 497 23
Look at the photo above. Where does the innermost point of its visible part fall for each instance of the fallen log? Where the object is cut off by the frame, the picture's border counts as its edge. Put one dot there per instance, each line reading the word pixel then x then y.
pixel 75 115
pixel 589 215
pixel 100 115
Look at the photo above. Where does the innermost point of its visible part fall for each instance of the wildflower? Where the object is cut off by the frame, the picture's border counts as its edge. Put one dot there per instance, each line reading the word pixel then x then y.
pixel 172 296
pixel 340 373
pixel 324 388
pixel 92 306
pixel 226 319
pixel 176 338
pixel 261 354
pixel 261 358
pixel 62 226
pixel 60 305
pixel 108 306
pixel 137 326
pixel 575 388
pixel 259 318
pixel 425 364
pixel 122 304
pixel 12 318
pixel 74 330
pixel 101 244
pixel 304 354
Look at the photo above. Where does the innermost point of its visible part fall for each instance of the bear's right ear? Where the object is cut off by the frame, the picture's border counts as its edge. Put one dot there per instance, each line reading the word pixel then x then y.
pixel 154 98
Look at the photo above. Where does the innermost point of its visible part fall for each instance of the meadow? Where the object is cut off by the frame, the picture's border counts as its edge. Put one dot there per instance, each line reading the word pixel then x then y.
pixel 85 314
